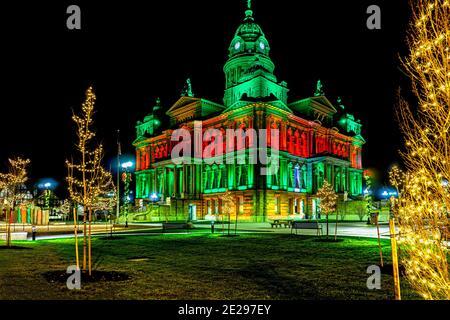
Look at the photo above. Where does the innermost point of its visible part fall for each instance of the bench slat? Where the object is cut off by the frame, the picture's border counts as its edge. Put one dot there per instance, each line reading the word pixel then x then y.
pixel 306 225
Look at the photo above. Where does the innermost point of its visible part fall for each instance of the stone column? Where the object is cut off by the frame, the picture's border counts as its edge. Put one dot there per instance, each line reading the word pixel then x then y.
pixel 175 180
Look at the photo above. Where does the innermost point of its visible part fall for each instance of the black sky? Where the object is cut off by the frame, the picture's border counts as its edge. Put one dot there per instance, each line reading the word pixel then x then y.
pixel 134 51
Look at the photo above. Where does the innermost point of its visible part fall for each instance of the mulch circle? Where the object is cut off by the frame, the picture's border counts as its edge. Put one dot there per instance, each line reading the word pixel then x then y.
pixel 14 248
pixel 96 276
pixel 388 269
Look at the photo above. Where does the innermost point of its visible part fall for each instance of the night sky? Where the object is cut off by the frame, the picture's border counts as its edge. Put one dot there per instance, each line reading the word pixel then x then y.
pixel 134 51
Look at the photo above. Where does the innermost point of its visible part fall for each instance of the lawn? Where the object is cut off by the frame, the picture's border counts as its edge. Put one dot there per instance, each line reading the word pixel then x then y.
pixel 203 266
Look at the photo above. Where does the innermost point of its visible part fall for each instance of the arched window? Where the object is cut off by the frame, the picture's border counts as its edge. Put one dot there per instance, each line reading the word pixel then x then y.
pixel 304 145
pixel 205 176
pixel 303 177
pixel 223 175
pixel 297 183
pixel 211 177
pixel 290 175
pixel 290 141
pixel 337 181
pixel 297 143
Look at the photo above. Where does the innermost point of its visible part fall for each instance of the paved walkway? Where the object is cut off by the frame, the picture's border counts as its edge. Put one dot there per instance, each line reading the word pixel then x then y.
pixel 355 229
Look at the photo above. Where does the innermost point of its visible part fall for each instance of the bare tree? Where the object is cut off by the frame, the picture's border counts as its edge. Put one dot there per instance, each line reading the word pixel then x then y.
pixel 229 205
pixel 424 200
pixel 328 198
pixel 11 183
pixel 87 179
pixel 361 209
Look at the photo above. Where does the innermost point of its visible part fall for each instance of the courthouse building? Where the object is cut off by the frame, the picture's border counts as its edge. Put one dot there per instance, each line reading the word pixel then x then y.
pixel 318 141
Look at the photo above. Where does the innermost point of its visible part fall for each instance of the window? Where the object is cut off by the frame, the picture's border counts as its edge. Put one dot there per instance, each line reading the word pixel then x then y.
pixel 291 175
pixel 277 205
pixel 303 177
pixel 216 206
pixel 241 204
pixel 223 170
pixel 211 179
pixel 297 184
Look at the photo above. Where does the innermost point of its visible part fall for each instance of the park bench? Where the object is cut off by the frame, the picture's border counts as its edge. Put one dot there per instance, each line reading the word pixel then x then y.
pixel 310 225
pixel 174 226
pixel 278 223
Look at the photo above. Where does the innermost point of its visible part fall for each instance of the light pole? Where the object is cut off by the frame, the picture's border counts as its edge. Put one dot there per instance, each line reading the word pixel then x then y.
pixel 47 205
pixel 154 198
pixel 126 178
pixel 119 152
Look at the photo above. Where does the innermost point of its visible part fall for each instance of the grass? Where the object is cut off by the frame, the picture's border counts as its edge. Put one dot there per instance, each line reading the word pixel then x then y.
pixel 203 266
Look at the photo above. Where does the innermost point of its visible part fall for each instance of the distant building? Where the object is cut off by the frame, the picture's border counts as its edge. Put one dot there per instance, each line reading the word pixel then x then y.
pixel 318 140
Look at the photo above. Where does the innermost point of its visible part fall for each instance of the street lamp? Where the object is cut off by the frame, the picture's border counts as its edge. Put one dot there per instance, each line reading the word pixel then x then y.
pixel 153 199
pixel 126 178
pixel 127 165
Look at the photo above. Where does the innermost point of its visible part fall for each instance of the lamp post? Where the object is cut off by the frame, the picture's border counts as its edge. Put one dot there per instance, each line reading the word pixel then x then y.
pixel 126 178
pixel 47 204
pixel 153 198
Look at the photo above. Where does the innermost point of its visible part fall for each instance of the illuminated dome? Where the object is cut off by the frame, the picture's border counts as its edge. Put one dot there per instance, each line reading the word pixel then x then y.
pixel 249 38
pixel 249 69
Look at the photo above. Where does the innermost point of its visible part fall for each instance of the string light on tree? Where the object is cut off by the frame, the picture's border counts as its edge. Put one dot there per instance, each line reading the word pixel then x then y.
pixel 328 200
pixel 87 179
pixel 424 201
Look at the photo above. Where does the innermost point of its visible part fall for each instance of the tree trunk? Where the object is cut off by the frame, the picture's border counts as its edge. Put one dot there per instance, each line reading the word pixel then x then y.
pixel 8 227
pixel 76 237
pixel 84 240
pixel 229 222
pixel 335 227
pixel 236 222
pixel 327 226
pixel 89 240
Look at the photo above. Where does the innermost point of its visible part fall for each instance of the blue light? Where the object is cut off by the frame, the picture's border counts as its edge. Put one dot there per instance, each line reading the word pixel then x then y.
pixel 47 184
pixel 127 165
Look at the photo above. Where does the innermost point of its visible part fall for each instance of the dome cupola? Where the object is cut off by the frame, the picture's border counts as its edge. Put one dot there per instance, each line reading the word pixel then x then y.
pixel 249 38
pixel 249 69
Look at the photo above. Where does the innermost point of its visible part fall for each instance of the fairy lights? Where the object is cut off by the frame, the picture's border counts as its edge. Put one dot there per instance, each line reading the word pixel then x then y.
pixel 10 184
pixel 87 180
pixel 424 201
pixel 328 200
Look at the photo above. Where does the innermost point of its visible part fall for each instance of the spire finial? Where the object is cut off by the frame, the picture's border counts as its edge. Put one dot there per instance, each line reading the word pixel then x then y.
pixel 340 104
pixel 319 89
pixel 157 105
pixel 249 11
pixel 187 90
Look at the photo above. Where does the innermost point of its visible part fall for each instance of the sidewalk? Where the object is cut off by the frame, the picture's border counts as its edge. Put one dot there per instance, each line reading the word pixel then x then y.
pixel 354 229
